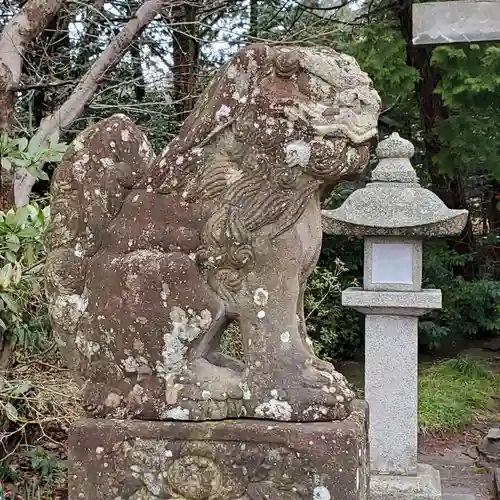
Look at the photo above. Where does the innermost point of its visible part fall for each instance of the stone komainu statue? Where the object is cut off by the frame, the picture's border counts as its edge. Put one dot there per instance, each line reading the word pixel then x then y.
pixel 151 258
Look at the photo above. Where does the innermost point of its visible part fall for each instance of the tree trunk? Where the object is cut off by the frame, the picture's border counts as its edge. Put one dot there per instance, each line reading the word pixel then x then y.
pixel 432 111
pixel 137 72
pixel 186 52
pixel 87 46
pixel 253 20
pixel 26 25
pixel 48 58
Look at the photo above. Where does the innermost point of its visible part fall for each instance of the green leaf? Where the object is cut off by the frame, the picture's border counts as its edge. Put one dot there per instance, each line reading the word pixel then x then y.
pixel 13 238
pixel 43 175
pixel 28 232
pixel 22 143
pixel 54 139
pixel 34 145
pixel 54 156
pixel 5 275
pixel 22 387
pixel 10 302
pixel 6 164
pixel 12 241
pixel 22 162
pixel 37 173
pixel 11 257
pixel 29 255
pixel 44 215
pixel 11 412
pixel 22 214
pixel 34 210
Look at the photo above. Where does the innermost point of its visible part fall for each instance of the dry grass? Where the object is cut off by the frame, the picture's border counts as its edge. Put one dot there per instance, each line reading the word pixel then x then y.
pixel 38 401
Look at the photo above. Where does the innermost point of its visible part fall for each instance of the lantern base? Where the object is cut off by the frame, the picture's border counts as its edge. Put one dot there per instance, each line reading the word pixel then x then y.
pixel 425 485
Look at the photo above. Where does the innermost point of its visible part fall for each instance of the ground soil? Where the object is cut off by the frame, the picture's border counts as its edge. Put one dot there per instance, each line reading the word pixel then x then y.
pixel 456 459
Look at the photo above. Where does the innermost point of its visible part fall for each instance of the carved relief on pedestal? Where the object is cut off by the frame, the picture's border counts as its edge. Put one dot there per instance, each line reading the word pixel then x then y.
pixel 196 475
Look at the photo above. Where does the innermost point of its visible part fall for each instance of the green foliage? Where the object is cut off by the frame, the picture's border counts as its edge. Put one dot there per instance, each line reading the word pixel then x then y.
pixel 31 155
pixel 46 465
pixel 334 329
pixel 22 302
pixel 470 89
pixel 10 391
pixel 47 472
pixel 454 392
pixel 231 344
pixel 470 308
pixel 468 73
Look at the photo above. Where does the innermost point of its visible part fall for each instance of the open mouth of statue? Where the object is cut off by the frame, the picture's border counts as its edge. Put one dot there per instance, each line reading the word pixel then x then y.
pixel 356 135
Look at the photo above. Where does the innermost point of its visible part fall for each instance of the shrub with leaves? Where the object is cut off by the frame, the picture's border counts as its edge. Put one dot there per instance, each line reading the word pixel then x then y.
pixel 30 154
pixel 22 302
pixel 334 329
pixel 24 397
pixel 470 307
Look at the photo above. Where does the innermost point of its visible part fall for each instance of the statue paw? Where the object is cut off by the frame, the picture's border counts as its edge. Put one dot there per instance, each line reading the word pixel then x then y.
pixel 204 392
pixel 321 364
pixel 299 393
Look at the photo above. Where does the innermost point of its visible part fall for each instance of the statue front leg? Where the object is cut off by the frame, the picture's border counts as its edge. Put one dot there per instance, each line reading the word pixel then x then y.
pixel 282 381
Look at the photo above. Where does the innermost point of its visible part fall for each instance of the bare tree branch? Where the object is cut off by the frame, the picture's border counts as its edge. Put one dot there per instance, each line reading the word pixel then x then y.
pixel 343 3
pixel 21 29
pixel 29 22
pixel 83 92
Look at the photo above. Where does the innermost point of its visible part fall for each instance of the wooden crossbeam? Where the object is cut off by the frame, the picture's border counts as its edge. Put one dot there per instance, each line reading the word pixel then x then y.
pixel 463 21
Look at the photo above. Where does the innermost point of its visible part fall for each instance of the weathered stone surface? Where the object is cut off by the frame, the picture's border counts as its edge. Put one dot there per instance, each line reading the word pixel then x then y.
pixel 425 485
pixel 496 482
pixel 152 257
pixel 462 21
pixel 228 460
pixel 493 434
pixel 489 448
pixel 392 303
pixel 392 394
pixel 394 203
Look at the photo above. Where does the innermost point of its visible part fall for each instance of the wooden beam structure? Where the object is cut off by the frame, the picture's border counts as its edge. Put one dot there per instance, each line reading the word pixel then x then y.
pixel 462 21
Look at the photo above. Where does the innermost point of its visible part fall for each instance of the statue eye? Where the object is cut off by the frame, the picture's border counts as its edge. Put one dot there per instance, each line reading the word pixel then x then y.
pixel 330 112
pixel 287 64
pixel 348 98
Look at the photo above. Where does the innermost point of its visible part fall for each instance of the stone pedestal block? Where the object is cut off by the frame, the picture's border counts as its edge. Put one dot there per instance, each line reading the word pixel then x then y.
pixel 425 485
pixel 225 460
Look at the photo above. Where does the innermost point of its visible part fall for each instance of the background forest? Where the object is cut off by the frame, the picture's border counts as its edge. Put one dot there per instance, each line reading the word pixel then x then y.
pixel 65 64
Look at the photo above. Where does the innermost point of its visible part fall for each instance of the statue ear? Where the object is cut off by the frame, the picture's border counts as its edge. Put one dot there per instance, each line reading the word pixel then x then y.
pixel 286 64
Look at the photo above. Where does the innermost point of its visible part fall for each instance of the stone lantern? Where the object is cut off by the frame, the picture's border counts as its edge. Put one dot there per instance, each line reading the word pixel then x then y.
pixel 393 214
